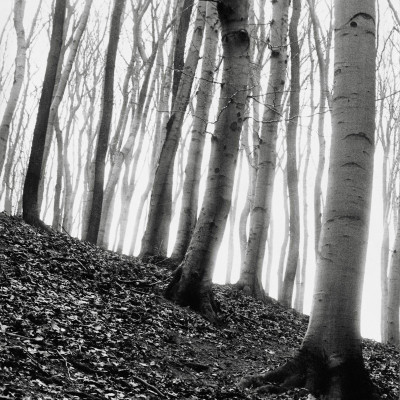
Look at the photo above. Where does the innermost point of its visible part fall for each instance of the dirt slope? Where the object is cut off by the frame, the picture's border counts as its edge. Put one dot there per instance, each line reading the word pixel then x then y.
pixel 77 322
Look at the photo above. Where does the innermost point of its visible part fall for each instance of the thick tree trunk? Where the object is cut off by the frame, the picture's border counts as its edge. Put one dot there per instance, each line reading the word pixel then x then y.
pixel 156 236
pixel 330 362
pixel 291 168
pixel 250 279
pixel 19 8
pixel 190 197
pixel 31 187
pixel 192 281
pixel 105 123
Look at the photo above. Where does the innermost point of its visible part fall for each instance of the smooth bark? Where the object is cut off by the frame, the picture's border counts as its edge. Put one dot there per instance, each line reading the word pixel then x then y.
pixel 105 123
pixel 191 284
pixel 330 362
pixel 31 212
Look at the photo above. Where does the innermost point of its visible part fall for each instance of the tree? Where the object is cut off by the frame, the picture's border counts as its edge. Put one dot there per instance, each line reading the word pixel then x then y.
pixel 190 196
pixel 329 362
pixel 291 166
pixel 32 179
pixel 192 281
pixel 156 236
pixel 19 9
pixel 250 277
pixel 105 122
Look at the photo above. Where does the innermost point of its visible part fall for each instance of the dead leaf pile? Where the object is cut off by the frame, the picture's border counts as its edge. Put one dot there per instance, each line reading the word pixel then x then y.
pixel 78 322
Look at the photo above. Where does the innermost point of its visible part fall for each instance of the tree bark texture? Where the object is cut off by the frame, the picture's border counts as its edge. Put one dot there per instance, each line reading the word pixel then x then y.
pixel 250 279
pixel 191 284
pixel 156 236
pixel 190 196
pixel 330 362
pixel 291 168
pixel 105 123
pixel 31 212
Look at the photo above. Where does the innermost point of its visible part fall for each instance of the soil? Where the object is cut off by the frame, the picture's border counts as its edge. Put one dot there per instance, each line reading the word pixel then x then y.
pixel 78 322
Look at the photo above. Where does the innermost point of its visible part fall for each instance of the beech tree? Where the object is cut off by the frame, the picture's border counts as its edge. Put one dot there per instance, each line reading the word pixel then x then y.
pixel 190 196
pixel 291 167
pixel 31 212
pixel 20 60
pixel 156 236
pixel 105 123
pixel 250 277
pixel 191 284
pixel 329 362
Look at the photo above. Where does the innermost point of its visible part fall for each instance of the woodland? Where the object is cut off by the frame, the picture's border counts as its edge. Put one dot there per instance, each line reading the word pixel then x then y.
pixel 185 142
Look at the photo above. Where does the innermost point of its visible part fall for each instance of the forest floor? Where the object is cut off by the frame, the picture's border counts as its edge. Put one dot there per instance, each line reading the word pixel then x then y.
pixel 78 322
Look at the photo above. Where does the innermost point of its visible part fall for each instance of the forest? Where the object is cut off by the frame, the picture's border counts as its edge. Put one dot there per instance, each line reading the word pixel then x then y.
pixel 240 142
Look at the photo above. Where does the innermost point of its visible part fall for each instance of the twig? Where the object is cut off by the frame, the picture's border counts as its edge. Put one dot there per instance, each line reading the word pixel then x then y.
pixel 148 385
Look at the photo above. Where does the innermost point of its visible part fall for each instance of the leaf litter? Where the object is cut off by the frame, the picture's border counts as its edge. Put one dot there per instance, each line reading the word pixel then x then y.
pixel 79 322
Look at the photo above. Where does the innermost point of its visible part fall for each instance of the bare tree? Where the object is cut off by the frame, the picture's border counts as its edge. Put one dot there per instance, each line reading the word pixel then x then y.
pixel 32 179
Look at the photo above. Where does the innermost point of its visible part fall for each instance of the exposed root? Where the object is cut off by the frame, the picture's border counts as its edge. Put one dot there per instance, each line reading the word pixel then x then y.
pixel 257 291
pixel 326 378
pixel 194 294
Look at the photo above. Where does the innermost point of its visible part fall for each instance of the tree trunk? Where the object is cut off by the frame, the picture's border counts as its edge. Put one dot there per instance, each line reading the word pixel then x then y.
pixel 250 279
pixel 31 187
pixel 105 123
pixel 291 168
pixel 156 236
pixel 19 8
pixel 192 281
pixel 190 197
pixel 393 298
pixel 330 362
pixel 180 44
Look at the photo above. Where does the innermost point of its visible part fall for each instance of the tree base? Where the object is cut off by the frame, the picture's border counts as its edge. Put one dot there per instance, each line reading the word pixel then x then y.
pixel 195 294
pixel 257 291
pixel 326 378
pixel 36 222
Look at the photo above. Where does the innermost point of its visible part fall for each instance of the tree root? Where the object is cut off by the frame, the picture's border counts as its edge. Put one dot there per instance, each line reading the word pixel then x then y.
pixel 326 378
pixel 194 294
pixel 37 223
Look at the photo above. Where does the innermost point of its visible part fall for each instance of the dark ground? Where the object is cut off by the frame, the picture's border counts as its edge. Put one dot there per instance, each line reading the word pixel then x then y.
pixel 77 322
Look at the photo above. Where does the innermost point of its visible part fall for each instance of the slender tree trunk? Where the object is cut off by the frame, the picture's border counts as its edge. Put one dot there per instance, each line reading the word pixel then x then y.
pixel 190 199
pixel 232 218
pixel 250 279
pixel 156 236
pixel 180 43
pixel 105 123
pixel 20 59
pixel 330 362
pixel 291 168
pixel 31 212
pixel 192 281
pixel 393 298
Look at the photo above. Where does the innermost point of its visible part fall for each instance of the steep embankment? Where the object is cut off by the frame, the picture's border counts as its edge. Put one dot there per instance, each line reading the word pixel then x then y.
pixel 77 322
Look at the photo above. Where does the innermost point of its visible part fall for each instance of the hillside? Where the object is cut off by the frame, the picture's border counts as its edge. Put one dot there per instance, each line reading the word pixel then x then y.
pixel 77 322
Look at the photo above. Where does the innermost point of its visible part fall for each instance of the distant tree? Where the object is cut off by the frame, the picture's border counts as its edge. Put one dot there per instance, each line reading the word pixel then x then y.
pixel 191 284
pixel 291 167
pixel 156 236
pixel 329 362
pixel 31 212
pixel 324 97
pixel 104 130
pixel 250 275
pixel 393 297
pixel 20 60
